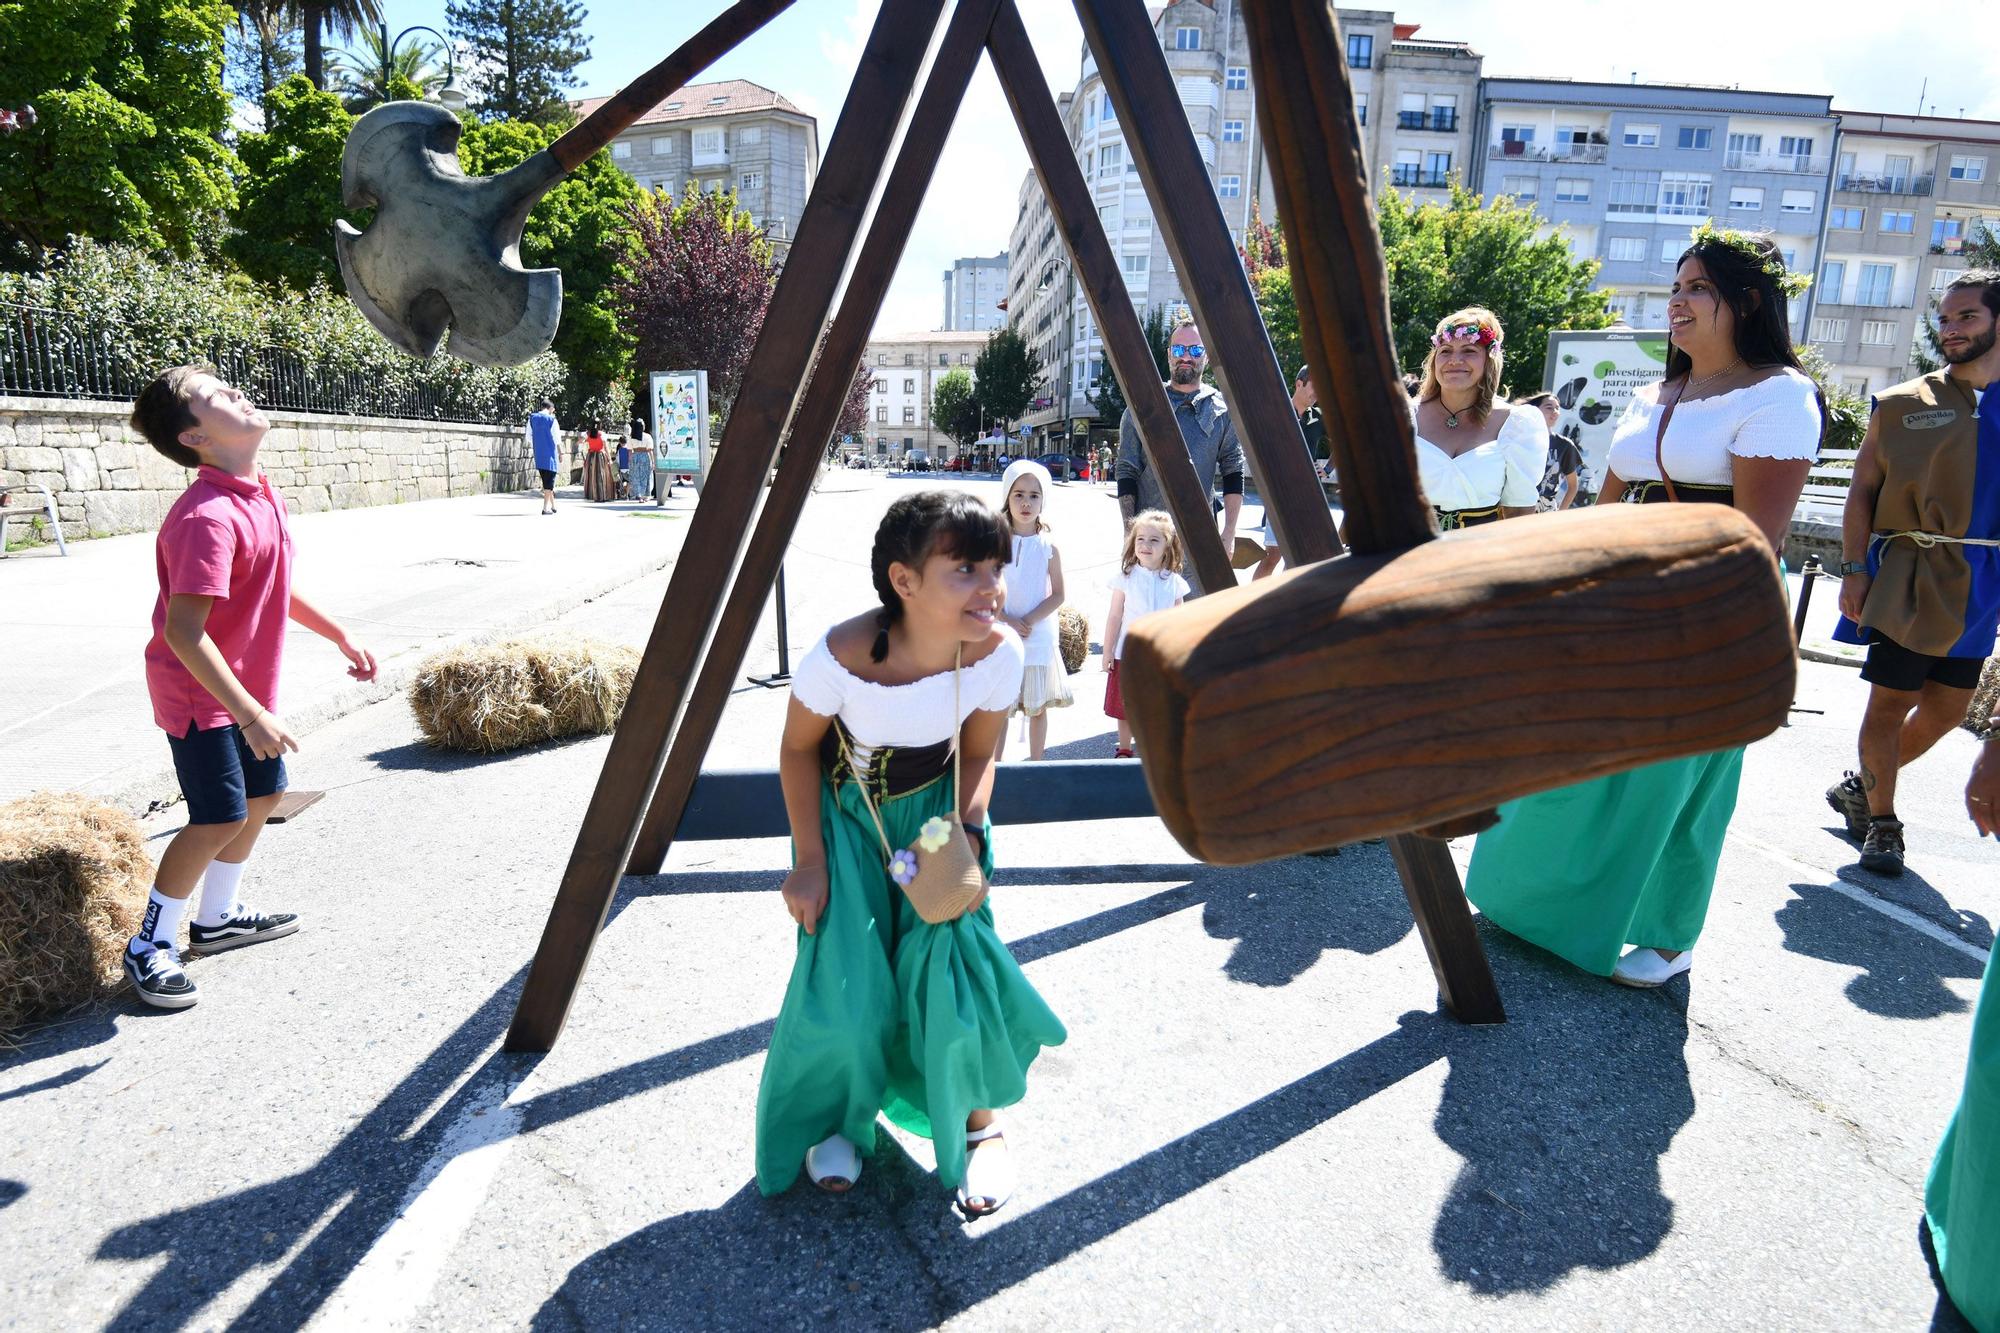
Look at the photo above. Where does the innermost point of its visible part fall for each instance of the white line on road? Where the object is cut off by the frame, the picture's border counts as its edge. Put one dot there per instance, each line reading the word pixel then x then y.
pixel 1899 914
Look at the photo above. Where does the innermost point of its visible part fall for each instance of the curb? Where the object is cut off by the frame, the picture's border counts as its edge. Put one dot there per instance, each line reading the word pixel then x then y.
pixel 1830 657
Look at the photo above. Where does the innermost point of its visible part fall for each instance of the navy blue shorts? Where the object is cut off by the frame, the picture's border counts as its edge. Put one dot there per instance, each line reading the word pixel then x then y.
pixel 1894 667
pixel 220 774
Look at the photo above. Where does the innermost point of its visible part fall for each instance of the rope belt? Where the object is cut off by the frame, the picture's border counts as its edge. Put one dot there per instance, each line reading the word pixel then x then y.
pixel 1924 541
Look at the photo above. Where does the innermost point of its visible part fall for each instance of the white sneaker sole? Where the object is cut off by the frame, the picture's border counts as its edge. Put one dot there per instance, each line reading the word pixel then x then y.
pixel 239 941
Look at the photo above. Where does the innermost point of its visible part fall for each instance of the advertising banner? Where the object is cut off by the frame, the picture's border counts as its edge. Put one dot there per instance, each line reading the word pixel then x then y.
pixel 1593 374
pixel 680 421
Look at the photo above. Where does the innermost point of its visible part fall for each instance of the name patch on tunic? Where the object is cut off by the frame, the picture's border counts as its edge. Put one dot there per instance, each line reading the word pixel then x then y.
pixel 1932 420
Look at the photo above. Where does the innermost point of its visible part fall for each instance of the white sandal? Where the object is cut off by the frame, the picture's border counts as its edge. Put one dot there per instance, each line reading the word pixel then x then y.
pixel 989 1176
pixel 834 1164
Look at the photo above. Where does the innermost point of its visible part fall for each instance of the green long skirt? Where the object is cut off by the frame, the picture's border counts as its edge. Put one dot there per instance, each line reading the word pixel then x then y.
pixel 1962 1196
pixel 888 1013
pixel 1585 870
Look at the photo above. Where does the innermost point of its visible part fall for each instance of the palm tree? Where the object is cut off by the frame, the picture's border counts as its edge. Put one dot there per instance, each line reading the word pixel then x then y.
pixel 274 22
pixel 362 77
pixel 342 17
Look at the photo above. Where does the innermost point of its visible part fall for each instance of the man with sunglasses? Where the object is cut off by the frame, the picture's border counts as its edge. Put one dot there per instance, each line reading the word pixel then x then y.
pixel 1207 429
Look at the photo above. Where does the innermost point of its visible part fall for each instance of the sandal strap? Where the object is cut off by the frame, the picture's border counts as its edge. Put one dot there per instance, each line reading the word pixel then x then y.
pixel 992 1131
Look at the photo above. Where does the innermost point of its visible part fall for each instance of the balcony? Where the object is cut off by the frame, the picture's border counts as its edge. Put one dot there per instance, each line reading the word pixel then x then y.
pixel 1918 185
pixel 1443 121
pixel 1516 150
pixel 1416 178
pixel 1796 164
pixel 717 156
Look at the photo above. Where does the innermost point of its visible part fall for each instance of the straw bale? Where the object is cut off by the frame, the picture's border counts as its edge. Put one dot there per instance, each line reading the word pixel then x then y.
pixel 1985 705
pixel 491 697
pixel 1073 638
pixel 73 876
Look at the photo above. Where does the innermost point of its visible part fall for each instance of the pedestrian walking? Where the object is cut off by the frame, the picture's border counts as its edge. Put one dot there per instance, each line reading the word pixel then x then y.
pixel 1564 472
pixel 223 559
pixel 1207 429
pixel 1479 457
pixel 642 463
pixel 1148 580
pixel 1312 427
pixel 887 762
pixel 600 483
pixel 1630 859
pixel 543 433
pixel 1920 560
pixel 1034 595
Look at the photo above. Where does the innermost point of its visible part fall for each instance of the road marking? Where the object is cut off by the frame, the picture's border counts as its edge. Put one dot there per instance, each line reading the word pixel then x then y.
pixel 1895 912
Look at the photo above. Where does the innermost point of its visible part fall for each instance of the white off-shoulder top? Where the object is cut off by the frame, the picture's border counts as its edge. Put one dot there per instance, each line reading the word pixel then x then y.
pixel 1774 418
pixel 918 713
pixel 1506 470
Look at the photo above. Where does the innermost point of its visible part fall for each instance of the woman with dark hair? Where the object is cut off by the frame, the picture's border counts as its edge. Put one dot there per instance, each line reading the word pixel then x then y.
pixel 1630 859
pixel 1563 474
pixel 600 479
pixel 641 445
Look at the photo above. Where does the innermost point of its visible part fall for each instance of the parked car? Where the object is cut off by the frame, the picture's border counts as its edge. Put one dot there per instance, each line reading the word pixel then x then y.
pixel 1066 467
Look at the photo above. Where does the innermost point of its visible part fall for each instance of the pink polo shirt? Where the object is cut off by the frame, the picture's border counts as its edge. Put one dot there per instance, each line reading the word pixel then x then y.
pixel 229 539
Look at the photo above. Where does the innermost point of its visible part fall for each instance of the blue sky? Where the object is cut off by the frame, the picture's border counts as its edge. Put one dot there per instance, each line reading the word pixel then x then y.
pixel 1870 57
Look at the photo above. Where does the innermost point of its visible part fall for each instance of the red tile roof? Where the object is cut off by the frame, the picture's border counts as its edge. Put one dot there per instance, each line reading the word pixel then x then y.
pixel 699 101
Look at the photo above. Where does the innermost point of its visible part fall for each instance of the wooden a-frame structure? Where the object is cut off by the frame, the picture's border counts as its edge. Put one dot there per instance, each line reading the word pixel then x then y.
pixel 1306 117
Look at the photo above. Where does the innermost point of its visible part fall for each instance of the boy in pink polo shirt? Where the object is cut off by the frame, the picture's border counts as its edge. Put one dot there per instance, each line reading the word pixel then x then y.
pixel 224 558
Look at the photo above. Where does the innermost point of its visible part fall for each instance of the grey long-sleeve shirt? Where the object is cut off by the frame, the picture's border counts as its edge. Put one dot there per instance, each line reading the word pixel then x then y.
pixel 1209 432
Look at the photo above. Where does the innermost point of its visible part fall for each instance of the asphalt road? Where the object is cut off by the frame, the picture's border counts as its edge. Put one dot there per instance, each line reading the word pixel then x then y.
pixel 1260 1119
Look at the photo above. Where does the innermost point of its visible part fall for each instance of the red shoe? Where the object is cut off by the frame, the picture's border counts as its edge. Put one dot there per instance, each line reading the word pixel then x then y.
pixel 1121 753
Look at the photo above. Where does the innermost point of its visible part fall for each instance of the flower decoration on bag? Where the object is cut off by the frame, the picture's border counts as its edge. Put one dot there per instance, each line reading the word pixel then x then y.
pixel 1793 285
pixel 935 833
pixel 903 867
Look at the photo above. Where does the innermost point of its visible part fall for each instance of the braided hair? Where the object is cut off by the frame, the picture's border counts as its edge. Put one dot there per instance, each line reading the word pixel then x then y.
pixel 921 525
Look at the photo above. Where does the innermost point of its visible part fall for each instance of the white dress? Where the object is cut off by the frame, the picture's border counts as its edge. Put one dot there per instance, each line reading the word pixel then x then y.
pixel 1044 682
pixel 1774 418
pixel 1506 470
pixel 904 716
pixel 1145 592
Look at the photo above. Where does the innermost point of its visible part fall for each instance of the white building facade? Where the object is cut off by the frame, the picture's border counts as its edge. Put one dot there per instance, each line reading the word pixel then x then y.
pixel 973 290
pixel 907 367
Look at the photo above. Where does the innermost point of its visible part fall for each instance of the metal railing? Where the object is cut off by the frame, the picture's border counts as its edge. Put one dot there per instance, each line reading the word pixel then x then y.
pixel 1917 185
pixel 1406 177
pixel 1508 151
pixel 1445 121
pixel 47 354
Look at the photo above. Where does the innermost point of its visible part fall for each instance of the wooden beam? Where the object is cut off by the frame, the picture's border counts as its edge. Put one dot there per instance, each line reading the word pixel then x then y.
pixel 951 73
pixel 1096 268
pixel 1136 78
pixel 852 170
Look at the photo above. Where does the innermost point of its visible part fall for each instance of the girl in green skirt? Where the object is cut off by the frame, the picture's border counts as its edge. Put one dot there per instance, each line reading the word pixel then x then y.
pixel 933 1024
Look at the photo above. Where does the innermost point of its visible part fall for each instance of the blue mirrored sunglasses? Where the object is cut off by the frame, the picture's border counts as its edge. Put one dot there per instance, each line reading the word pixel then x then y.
pixel 1195 350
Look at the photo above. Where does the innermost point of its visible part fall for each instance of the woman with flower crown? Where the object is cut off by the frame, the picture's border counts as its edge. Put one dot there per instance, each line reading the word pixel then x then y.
pixel 1585 871
pixel 1480 459
pixel 886 1012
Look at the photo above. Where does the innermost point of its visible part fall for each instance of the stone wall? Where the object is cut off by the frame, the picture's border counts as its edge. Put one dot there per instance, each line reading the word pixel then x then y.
pixel 107 480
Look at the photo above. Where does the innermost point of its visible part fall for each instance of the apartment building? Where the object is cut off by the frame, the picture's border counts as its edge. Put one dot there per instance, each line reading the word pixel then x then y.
pixel 907 368
pixel 728 135
pixel 1625 171
pixel 1419 142
pixel 1909 193
pixel 973 289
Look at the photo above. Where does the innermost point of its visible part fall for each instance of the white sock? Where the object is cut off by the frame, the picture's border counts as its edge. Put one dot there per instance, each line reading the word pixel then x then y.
pixel 162 921
pixel 218 892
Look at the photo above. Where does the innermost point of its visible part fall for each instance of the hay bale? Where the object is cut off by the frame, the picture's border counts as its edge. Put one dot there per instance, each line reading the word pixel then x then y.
pixel 490 697
pixel 1985 705
pixel 1073 637
pixel 73 876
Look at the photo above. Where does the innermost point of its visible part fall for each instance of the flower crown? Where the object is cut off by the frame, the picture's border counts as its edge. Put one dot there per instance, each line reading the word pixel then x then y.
pixel 1465 333
pixel 1793 285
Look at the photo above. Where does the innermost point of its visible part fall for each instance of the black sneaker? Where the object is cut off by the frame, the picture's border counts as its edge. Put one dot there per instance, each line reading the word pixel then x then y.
pixel 1851 804
pixel 245 927
pixel 157 977
pixel 1882 852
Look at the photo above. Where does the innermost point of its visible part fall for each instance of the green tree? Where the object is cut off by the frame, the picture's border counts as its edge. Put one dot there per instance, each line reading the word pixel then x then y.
pixel 263 49
pixel 289 195
pixel 341 18
pixel 1107 395
pixel 955 406
pixel 128 141
pixel 585 227
pixel 365 77
pixel 1846 413
pixel 1444 256
pixel 1007 372
pixel 1981 251
pixel 526 51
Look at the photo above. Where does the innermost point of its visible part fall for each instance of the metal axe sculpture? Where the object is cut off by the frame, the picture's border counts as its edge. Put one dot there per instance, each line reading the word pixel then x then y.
pixel 444 250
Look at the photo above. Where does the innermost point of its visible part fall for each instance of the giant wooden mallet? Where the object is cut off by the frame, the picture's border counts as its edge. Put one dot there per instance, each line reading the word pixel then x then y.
pixel 1420 680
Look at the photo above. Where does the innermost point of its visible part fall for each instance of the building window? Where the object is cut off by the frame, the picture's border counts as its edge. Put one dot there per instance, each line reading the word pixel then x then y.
pixel 708 141
pixel 1521 134
pixel 1360 50
pixel 750 134
pixel 1796 151
pixel 944 358
pixel 1829 330
pixel 1965 168
pixel 663 145
pixel 1111 160
pixel 1878 333
pixel 1691 137
pixel 1361 108
pixel 1797 201
pixel 750 180
pixel 909 386
pixel 621 151
pixel 1232 131
pixel 1898 220
pixel 1625 249
pixel 1229 187
pixel 1875 284
pixel 1444 112
pixel 1846 219
pixel 1943 277
pixel 1135 266
pixel 1856 385
pixel 1187 39
pixel 1832 277
pixel 1236 78
pixel 1573 190
pixel 881 415
pixel 1634 192
pixel 965 358
pixel 1684 194
pixel 1437 168
pixel 1945 234
pixel 1671 247
pixel 1642 136
pixel 1746 198
pixel 909 416
pixel 1523 188
pixel 881 385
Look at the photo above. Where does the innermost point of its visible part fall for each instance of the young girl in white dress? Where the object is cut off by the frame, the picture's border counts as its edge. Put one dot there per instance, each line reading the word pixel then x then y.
pixel 1148 580
pixel 934 1025
pixel 1034 595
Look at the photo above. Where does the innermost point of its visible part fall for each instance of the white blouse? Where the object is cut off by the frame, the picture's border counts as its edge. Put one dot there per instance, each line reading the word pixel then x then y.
pixel 1145 592
pixel 1506 470
pixel 917 713
pixel 1027 580
pixel 1774 418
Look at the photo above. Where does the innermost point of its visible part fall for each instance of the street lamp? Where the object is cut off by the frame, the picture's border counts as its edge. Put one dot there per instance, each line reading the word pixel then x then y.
pixel 451 97
pixel 1048 278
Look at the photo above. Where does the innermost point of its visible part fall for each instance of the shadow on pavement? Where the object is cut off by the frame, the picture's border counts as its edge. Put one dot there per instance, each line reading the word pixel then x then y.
pixel 1902 973
pixel 91 1025
pixel 10 1190
pixel 62 1080
pixel 1562 1115
pixel 420 757
pixel 1099 746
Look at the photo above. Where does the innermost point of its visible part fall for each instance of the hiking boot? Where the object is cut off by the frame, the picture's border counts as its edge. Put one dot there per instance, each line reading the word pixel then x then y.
pixel 246 927
pixel 1851 804
pixel 157 977
pixel 1882 851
